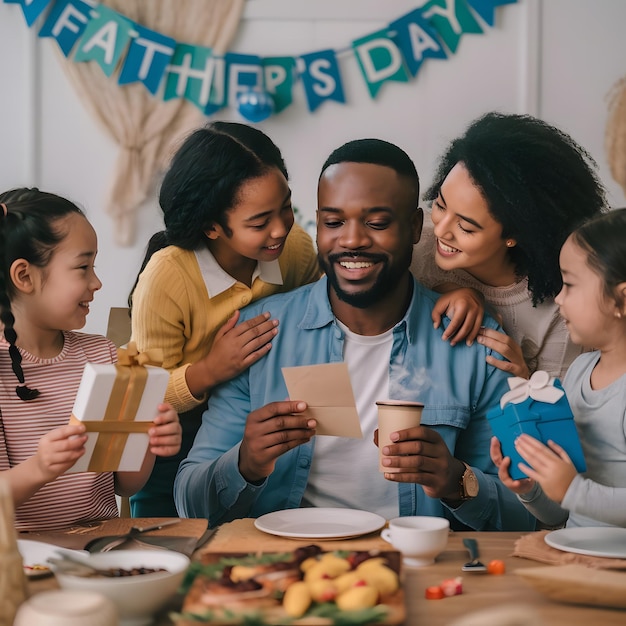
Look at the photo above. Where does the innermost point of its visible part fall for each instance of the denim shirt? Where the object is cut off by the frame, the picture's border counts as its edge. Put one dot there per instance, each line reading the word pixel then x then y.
pixel 455 384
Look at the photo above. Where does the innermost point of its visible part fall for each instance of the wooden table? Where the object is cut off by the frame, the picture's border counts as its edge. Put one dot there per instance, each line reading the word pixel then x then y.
pixel 480 591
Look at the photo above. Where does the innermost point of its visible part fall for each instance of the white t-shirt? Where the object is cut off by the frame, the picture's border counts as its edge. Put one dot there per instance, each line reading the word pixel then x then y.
pixel 344 472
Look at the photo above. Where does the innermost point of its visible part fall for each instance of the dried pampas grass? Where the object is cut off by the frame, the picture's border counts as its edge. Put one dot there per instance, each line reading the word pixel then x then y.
pixel 615 134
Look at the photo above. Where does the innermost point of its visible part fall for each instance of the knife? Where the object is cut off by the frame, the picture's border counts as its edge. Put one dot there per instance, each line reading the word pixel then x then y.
pixel 120 539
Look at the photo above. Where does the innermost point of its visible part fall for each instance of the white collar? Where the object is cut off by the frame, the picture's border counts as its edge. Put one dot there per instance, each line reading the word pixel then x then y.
pixel 217 280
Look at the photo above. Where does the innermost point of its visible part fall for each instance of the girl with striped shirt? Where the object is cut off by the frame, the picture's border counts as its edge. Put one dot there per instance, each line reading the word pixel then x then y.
pixel 47 280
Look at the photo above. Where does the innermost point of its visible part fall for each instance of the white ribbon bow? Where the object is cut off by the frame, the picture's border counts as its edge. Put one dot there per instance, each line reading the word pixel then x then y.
pixel 540 387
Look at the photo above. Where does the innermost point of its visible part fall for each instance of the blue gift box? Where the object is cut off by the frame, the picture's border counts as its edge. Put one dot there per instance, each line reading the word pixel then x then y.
pixel 538 419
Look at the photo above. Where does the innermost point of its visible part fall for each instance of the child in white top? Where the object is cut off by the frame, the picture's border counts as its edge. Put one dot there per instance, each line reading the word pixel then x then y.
pixel 47 281
pixel 593 304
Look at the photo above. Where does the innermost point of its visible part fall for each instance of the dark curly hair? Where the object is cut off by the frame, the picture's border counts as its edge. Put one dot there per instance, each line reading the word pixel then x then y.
pixel 203 180
pixel 539 184
pixel 28 230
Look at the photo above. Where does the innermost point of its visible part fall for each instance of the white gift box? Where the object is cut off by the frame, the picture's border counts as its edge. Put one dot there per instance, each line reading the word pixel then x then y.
pixel 117 403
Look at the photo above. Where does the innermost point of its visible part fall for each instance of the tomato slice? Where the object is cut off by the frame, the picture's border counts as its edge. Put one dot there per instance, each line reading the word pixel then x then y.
pixel 496 567
pixel 434 593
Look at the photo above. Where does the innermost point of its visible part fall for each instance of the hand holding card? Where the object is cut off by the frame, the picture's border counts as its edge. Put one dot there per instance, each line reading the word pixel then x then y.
pixel 327 390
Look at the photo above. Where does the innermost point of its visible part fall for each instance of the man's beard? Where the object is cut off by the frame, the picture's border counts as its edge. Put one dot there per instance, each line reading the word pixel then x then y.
pixel 388 279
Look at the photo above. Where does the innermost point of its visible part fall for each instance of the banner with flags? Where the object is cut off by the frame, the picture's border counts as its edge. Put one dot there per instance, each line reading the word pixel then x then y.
pixel 256 86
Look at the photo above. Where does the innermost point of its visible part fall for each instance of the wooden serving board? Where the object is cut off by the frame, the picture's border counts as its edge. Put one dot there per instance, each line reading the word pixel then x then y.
pixel 268 610
pixel 241 535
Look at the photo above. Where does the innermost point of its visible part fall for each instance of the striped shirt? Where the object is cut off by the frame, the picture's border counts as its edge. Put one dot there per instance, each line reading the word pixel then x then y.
pixel 71 498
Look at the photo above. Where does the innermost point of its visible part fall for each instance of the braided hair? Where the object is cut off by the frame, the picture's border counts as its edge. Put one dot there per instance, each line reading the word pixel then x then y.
pixel 27 231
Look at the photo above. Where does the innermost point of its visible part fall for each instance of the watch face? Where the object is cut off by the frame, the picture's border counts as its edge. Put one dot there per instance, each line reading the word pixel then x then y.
pixel 470 484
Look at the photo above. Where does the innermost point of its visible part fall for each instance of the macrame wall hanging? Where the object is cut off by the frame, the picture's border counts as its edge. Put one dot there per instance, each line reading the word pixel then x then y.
pixel 146 128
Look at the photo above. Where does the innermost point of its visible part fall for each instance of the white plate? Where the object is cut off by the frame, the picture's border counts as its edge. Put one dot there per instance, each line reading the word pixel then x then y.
pixel 319 523
pixel 35 554
pixel 604 541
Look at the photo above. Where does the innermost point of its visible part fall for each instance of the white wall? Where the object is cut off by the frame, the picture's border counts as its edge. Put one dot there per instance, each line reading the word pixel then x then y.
pixel 553 58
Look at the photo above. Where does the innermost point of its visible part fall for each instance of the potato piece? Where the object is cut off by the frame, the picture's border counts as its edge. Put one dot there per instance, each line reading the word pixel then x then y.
pixel 373 562
pixel 242 572
pixel 347 580
pixel 356 598
pixel 297 599
pixel 327 568
pixel 308 563
pixel 323 589
pixel 385 580
pixel 335 563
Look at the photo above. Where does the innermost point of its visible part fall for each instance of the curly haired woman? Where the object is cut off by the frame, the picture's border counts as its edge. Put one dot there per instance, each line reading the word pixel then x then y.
pixel 506 196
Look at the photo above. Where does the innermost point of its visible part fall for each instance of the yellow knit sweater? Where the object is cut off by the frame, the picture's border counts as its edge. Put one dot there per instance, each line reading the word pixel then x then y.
pixel 172 309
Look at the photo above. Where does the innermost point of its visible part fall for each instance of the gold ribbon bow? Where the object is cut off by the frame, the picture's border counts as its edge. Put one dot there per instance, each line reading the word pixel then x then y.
pixel 131 356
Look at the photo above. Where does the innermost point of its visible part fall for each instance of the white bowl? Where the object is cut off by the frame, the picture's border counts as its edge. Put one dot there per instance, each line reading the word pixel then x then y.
pixel 138 597
pixel 67 608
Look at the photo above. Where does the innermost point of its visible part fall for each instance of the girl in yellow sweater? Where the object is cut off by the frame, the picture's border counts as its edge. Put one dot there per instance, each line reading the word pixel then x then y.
pixel 229 239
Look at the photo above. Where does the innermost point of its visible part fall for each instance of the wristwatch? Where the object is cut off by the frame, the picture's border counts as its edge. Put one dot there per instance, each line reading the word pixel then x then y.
pixel 468 483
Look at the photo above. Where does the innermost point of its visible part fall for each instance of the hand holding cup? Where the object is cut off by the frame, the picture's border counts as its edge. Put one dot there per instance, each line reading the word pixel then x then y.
pixel 395 415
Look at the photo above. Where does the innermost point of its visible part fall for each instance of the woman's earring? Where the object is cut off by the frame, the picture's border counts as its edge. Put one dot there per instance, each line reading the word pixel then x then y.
pixel 509 243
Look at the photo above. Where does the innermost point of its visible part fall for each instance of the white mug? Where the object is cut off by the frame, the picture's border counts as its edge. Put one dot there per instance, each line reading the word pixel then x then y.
pixel 419 538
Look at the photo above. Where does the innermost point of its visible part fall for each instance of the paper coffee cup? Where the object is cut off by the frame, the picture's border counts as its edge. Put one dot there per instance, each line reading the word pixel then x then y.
pixel 395 415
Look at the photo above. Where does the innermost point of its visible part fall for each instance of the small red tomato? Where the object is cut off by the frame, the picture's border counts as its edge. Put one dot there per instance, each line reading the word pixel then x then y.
pixel 434 593
pixel 496 567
